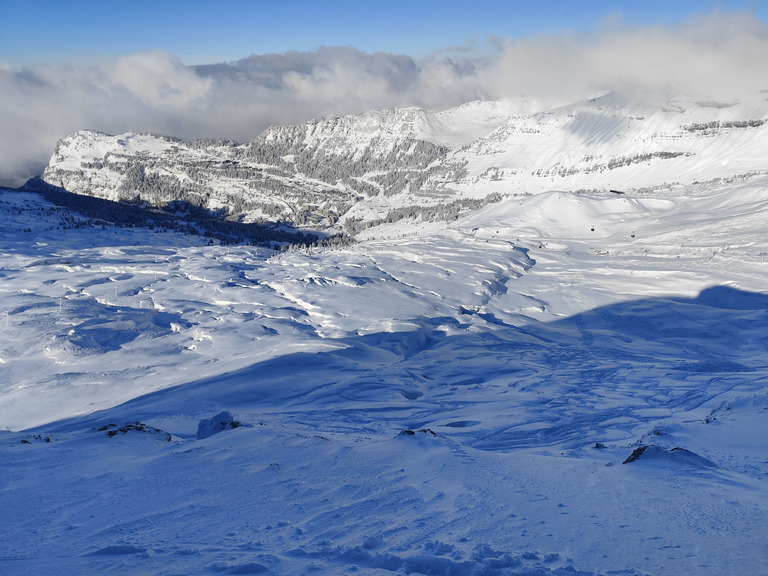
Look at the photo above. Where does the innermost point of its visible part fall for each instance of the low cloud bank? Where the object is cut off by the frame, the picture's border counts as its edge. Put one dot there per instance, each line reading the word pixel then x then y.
pixel 718 56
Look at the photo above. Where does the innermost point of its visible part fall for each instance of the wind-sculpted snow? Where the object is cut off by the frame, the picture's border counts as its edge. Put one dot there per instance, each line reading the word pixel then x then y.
pixel 435 399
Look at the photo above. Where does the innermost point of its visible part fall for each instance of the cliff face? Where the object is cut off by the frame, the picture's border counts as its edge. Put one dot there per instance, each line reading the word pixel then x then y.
pixel 366 166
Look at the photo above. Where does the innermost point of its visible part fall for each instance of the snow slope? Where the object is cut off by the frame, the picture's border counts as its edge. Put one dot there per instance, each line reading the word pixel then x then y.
pixel 436 399
pixel 333 171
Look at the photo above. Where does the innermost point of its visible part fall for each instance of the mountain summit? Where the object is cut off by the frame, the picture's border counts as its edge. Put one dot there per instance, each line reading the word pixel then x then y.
pixel 338 170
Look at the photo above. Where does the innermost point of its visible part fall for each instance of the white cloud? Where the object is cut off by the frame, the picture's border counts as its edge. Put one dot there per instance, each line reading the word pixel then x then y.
pixel 160 81
pixel 721 55
pixel 717 56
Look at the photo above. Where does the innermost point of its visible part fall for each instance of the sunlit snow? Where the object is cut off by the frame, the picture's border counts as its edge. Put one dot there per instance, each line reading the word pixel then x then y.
pixel 438 398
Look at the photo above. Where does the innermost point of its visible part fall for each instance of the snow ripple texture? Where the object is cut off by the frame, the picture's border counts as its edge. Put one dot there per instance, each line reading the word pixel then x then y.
pixel 435 399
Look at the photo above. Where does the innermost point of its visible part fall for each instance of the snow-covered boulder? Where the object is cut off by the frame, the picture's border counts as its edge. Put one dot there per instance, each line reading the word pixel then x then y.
pixel 222 421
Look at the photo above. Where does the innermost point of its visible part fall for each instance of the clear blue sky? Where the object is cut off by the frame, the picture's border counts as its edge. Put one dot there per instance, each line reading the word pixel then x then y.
pixel 196 31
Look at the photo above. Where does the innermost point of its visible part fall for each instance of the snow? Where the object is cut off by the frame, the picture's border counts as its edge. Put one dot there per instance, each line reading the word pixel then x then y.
pixel 476 150
pixel 173 408
pixel 463 125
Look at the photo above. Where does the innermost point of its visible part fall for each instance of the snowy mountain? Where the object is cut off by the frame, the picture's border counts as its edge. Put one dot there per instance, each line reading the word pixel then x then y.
pixel 372 166
pixel 562 381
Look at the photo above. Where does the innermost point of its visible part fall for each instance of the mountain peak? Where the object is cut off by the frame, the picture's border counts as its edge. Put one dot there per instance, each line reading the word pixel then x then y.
pixel 316 173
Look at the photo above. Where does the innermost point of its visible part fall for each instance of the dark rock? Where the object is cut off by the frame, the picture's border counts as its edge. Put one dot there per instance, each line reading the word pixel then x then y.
pixel 636 453
pixel 422 431
pixel 112 430
pixel 678 457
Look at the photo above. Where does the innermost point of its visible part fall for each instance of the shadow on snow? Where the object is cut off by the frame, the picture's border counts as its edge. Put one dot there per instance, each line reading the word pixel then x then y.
pixel 500 387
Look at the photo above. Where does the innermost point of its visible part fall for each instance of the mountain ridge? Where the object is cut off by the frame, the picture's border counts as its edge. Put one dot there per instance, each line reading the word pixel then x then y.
pixel 363 167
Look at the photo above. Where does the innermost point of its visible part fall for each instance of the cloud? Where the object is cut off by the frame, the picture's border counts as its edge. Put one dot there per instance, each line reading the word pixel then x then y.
pixel 717 56
pixel 298 86
pixel 160 81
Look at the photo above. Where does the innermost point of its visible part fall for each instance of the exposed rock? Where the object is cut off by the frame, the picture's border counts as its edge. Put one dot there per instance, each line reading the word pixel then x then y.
pixel 426 431
pixel 112 430
pixel 636 453
pixel 676 456
pixel 38 438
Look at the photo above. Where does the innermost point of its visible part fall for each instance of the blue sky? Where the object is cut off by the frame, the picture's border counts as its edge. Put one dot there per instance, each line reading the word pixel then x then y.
pixel 229 69
pixel 197 32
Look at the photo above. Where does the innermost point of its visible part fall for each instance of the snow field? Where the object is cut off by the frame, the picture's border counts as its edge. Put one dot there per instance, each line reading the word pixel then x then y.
pixel 528 355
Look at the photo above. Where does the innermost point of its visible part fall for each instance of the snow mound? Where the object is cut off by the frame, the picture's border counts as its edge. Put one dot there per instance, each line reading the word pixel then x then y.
pixel 728 298
pixel 222 421
pixel 674 456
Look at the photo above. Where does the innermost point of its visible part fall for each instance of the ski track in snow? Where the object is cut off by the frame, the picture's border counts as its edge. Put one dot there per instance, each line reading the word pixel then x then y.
pixel 528 354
